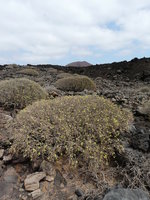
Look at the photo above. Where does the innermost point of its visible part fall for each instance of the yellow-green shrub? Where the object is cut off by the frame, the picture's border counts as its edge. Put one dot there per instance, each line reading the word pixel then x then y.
pixel 84 129
pixel 75 83
pixel 20 92
pixel 29 72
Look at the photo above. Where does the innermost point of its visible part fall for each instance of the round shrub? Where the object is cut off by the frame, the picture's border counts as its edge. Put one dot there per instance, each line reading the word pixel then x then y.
pixel 75 83
pixel 52 70
pixel 64 75
pixel 20 92
pixel 29 72
pixel 83 129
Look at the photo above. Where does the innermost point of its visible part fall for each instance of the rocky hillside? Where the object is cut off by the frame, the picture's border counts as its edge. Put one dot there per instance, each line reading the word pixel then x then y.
pixel 135 69
pixel 127 175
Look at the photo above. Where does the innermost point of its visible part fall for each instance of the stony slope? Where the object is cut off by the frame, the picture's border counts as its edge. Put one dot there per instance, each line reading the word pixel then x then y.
pixel 120 82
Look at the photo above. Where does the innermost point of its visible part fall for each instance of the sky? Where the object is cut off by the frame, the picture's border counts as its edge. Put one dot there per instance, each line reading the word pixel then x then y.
pixel 63 31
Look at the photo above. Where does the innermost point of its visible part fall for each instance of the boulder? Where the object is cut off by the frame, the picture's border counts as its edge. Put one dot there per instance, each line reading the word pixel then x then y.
pixel 141 140
pixel 126 194
pixel 10 176
pixel 31 182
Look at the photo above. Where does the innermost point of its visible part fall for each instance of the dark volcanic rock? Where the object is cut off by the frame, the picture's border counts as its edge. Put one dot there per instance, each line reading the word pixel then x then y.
pixel 10 176
pixel 126 194
pixel 59 179
pixel 141 140
pixel 134 69
pixel 79 192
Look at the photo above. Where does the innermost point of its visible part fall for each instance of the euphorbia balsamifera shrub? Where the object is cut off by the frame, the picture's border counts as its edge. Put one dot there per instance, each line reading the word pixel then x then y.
pixel 29 72
pixel 20 92
pixel 75 83
pixel 83 129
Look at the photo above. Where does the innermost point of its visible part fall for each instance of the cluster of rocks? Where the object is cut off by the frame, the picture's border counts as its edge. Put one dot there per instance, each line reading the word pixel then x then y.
pixel 17 181
pixel 49 183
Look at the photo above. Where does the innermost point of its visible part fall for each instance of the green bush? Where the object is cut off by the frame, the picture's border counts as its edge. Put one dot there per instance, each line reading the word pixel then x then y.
pixel 20 92
pixel 29 72
pixel 75 83
pixel 83 129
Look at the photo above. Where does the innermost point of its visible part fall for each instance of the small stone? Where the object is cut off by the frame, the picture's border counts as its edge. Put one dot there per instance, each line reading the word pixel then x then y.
pixel 49 178
pixel 31 182
pixel 21 190
pixel 1 153
pixel 7 158
pixel 113 100
pixel 23 197
pixel 79 192
pixel 37 193
pixel 31 186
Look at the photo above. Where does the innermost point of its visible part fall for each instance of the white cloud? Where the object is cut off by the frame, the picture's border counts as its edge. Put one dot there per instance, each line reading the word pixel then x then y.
pixel 81 52
pixel 41 31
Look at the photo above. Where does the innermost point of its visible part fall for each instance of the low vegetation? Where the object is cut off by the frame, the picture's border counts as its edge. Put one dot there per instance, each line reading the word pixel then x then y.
pixel 64 75
pixel 145 89
pixel 20 92
pixel 75 83
pixel 29 72
pixel 145 109
pixel 83 129
pixel 52 70
pixel 11 66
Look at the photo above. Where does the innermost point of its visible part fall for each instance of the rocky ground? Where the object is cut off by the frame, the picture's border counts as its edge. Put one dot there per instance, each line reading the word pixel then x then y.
pixel 120 82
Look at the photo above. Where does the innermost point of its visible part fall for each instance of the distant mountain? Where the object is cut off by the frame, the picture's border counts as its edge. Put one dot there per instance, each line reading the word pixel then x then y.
pixel 79 64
